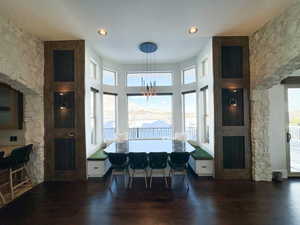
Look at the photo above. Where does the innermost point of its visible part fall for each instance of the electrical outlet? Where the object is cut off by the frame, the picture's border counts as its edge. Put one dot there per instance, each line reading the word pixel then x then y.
pixel 13 138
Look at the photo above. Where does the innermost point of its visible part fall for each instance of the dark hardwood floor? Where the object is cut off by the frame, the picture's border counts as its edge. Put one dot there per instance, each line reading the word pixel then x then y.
pixel 207 202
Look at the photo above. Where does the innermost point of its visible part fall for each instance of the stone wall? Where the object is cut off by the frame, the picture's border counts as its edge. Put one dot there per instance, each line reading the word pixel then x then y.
pixel 274 55
pixel 22 67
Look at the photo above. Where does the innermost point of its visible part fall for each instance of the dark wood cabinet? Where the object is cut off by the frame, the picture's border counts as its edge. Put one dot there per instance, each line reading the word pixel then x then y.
pixel 231 102
pixel 11 108
pixel 65 155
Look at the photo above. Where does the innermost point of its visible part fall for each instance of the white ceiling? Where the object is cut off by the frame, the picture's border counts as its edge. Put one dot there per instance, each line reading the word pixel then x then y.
pixel 130 22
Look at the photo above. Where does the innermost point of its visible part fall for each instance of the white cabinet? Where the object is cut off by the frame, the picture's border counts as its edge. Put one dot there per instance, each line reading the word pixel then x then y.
pixel 202 167
pixel 97 168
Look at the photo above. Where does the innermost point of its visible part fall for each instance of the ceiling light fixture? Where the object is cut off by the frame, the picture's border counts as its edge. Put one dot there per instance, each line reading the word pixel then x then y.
pixel 193 30
pixel 102 32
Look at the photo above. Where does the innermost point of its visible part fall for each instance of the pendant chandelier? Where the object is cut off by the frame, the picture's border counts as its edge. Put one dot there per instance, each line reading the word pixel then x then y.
pixel 149 87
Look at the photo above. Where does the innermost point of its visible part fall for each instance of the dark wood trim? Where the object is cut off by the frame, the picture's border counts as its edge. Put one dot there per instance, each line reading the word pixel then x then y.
pixel 231 83
pixel 78 132
pixel 109 93
pixel 291 80
pixel 94 90
pixel 188 92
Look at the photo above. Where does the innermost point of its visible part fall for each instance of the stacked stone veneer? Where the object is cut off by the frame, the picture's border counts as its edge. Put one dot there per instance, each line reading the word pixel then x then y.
pixel 22 67
pixel 274 55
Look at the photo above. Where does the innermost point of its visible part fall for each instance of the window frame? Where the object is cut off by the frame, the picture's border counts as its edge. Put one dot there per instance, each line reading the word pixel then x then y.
pixel 149 72
pixel 115 77
pixel 183 93
pixel 157 94
pixel 204 67
pixel 93 115
pixel 205 116
pixel 116 114
pixel 94 63
pixel 183 76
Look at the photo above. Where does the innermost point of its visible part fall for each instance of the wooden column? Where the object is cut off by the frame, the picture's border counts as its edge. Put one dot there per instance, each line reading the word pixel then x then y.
pixel 65 155
pixel 231 97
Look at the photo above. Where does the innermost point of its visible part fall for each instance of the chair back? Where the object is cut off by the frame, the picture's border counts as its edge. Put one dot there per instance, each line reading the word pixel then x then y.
pixel 179 158
pixel 158 160
pixel 20 155
pixel 138 160
pixel 1 155
pixel 117 159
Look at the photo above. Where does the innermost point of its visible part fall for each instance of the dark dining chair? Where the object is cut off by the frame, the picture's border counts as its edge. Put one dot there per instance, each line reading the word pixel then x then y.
pixel 158 161
pixel 178 165
pixel 119 166
pixel 138 161
pixel 1 195
pixel 16 163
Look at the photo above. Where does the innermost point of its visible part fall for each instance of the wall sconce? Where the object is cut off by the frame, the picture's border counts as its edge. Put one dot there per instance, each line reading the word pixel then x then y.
pixel 233 98
pixel 63 104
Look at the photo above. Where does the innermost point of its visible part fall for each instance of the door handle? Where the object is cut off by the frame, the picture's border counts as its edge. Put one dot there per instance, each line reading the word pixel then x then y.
pixel 288 137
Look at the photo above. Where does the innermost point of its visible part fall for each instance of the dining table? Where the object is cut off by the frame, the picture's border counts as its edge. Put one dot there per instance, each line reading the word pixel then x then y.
pixel 149 146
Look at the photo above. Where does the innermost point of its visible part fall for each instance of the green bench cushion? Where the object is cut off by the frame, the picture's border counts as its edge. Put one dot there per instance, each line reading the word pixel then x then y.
pixel 200 154
pixel 99 155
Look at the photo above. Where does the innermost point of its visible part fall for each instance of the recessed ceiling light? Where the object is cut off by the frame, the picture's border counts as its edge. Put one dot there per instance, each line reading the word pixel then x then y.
pixel 102 32
pixel 193 30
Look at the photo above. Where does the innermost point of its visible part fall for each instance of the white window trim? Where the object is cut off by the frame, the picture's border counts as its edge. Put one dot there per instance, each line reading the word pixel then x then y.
pixel 159 71
pixel 116 114
pixel 115 77
pixel 182 75
pixel 97 69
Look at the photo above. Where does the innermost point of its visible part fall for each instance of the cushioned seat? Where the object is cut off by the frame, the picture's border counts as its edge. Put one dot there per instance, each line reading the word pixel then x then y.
pixel 178 164
pixel 99 155
pixel 158 161
pixel 119 165
pixel 138 161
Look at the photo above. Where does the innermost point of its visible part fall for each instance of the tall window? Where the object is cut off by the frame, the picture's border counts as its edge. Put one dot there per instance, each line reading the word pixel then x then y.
pixel 159 78
pixel 109 77
pixel 189 76
pixel 205 114
pixel 189 112
pixel 150 118
pixel 109 116
pixel 93 116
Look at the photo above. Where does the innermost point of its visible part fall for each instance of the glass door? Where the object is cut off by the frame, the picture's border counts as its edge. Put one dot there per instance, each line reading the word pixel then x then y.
pixel 293 134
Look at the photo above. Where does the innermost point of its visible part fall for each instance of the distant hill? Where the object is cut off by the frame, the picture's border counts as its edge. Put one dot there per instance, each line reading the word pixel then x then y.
pixel 158 124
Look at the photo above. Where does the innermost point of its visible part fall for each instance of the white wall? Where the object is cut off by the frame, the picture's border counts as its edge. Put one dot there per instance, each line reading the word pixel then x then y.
pixel 277 128
pixel 95 83
pixel 203 81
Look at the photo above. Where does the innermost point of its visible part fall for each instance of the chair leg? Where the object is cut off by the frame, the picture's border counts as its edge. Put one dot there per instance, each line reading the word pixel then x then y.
pixel 171 177
pixel 111 180
pixel 146 178
pixel 2 198
pixel 132 177
pixel 150 178
pixel 11 184
pixel 187 183
pixel 165 177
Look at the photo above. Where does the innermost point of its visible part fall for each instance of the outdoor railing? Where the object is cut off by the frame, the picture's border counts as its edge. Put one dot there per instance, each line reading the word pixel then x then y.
pixel 149 133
